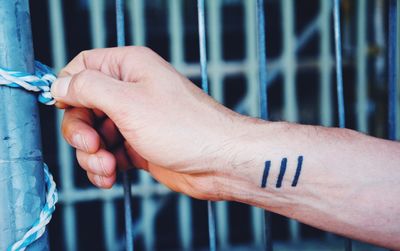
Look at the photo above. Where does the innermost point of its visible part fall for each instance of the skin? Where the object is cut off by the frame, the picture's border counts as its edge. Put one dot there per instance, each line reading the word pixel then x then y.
pixel 127 106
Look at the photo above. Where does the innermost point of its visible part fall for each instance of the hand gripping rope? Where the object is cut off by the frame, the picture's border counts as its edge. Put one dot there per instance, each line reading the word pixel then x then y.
pixel 39 82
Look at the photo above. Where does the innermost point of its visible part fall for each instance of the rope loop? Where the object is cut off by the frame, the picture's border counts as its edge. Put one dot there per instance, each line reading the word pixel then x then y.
pixel 39 82
pixel 39 226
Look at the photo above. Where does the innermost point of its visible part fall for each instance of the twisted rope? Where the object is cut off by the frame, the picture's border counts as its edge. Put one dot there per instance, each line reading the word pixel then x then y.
pixel 39 226
pixel 39 82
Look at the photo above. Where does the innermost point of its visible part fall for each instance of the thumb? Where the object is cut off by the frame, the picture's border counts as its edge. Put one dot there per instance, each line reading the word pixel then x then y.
pixel 90 89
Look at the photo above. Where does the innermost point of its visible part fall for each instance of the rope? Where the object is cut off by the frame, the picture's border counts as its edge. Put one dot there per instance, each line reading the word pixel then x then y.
pixel 39 226
pixel 39 82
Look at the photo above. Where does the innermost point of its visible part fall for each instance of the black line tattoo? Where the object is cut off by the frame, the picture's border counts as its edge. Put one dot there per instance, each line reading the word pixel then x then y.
pixel 265 174
pixel 298 171
pixel 282 170
pixel 281 173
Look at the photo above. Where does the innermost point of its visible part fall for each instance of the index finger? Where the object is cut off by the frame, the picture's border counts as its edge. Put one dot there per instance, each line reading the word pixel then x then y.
pixel 122 63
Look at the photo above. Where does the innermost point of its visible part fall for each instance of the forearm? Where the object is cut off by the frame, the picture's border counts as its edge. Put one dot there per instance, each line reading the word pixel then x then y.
pixel 333 179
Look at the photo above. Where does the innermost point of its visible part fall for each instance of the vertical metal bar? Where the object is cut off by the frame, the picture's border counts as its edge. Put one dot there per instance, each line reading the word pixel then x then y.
pixel 177 45
pixel 338 52
pixel 203 44
pixel 109 224
pixel 120 15
pixel 120 21
pixel 325 62
pixel 379 40
pixel 362 83
pixel 262 60
pixel 128 211
pixel 204 86
pixel 398 68
pixel 215 30
pixel 392 74
pixel 217 89
pixel 138 21
pixel 175 25
pixel 97 23
pixel 339 81
pixel 262 69
pixel 21 161
pixel 137 10
pixel 64 151
pixel 57 34
pixel 98 37
pixel 251 100
pixel 290 97
pixel 289 60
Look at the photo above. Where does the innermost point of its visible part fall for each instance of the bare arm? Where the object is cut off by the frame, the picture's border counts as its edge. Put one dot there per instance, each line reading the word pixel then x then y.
pixel 128 106
pixel 334 179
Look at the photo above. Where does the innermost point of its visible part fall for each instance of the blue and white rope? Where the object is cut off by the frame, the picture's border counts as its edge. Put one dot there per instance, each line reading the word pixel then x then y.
pixel 39 82
pixel 39 226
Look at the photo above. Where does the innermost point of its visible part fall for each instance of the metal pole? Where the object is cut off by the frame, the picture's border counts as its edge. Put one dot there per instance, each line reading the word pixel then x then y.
pixel 21 164
pixel 339 82
pixel 119 9
pixel 262 64
pixel 392 78
pixel 262 60
pixel 339 73
pixel 204 86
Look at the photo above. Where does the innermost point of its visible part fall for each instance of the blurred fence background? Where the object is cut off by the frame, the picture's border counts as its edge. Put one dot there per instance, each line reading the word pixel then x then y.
pixel 301 88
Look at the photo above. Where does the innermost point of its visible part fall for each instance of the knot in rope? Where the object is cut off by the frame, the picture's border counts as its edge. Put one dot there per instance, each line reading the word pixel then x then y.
pixel 39 82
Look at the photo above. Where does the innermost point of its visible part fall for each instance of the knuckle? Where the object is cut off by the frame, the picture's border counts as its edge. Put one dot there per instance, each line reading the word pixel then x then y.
pixel 64 71
pixel 82 81
pixel 144 51
pixel 83 55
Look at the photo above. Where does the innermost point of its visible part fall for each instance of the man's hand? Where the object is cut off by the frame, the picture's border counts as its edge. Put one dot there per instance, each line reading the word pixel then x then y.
pixel 127 106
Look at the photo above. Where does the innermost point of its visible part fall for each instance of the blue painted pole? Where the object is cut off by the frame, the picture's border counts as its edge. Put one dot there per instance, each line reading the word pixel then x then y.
pixel 339 72
pixel 392 69
pixel 204 86
pixel 262 60
pixel 21 161
pixel 120 21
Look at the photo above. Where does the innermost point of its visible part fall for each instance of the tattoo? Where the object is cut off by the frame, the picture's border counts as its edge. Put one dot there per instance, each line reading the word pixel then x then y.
pixel 265 174
pixel 282 171
pixel 298 171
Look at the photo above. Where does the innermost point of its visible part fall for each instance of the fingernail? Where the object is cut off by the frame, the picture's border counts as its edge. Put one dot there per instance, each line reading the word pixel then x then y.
pixel 79 142
pixel 60 86
pixel 98 180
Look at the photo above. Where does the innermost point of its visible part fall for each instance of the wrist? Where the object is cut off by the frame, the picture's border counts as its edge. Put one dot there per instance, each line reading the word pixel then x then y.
pixel 244 157
pixel 255 163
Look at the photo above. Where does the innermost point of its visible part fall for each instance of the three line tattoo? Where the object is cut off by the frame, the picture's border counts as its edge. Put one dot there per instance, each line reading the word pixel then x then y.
pixel 282 171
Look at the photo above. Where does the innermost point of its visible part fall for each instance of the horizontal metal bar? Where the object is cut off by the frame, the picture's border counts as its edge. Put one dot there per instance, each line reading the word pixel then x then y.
pixel 83 195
